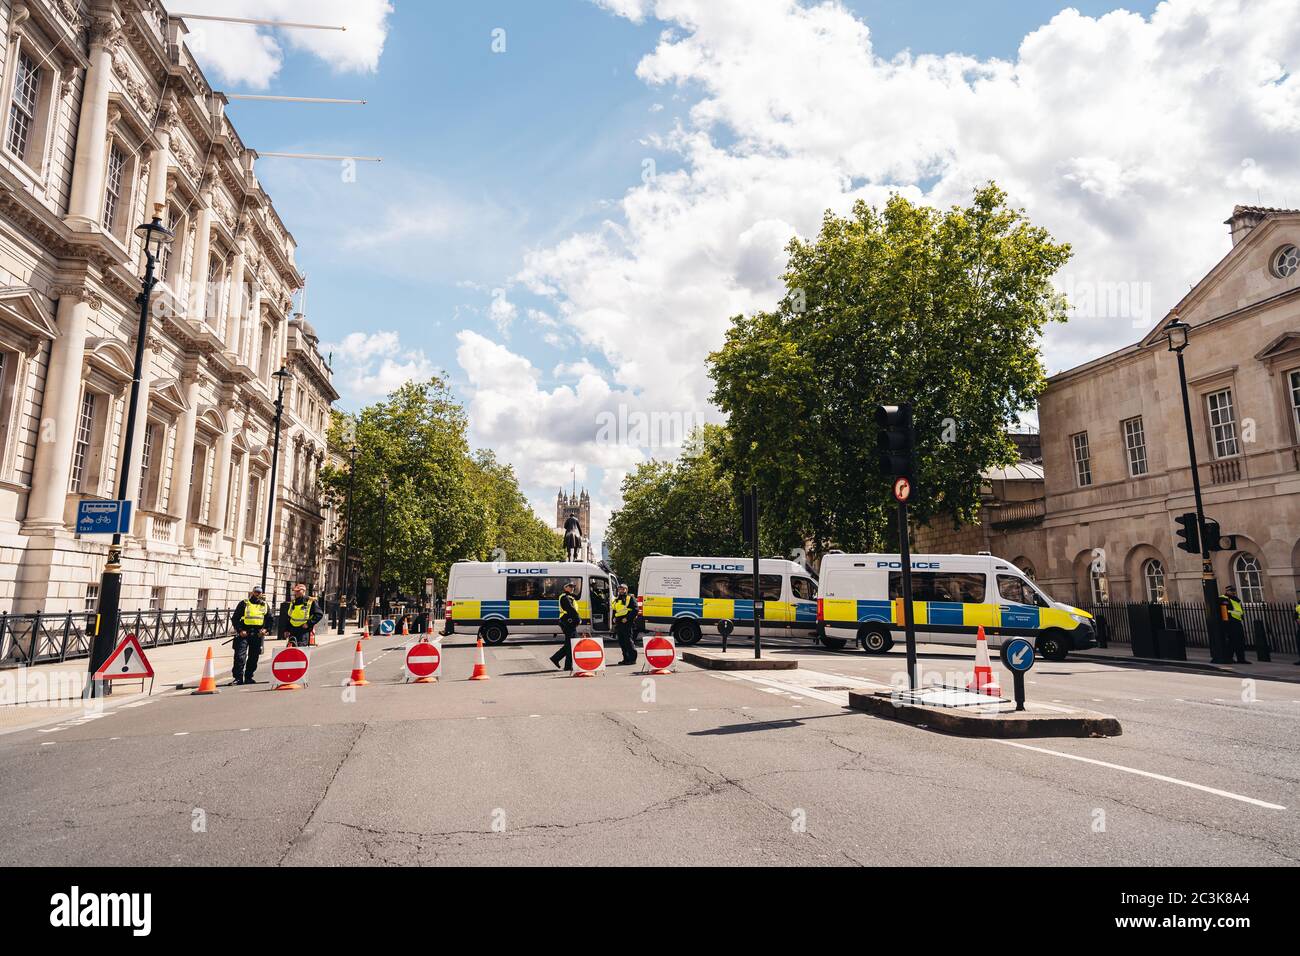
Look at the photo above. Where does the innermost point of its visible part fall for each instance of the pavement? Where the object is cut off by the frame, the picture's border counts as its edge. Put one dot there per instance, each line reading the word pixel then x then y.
pixel 697 767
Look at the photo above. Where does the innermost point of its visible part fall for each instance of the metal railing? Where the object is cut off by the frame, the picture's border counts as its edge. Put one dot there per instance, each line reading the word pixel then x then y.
pixel 1278 620
pixel 43 638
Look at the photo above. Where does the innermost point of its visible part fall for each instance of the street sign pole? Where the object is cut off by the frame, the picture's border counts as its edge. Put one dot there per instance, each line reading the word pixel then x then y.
pixel 758 594
pixel 905 559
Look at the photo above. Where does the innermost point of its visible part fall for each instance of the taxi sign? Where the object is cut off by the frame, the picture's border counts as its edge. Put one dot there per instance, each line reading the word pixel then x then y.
pixel 104 517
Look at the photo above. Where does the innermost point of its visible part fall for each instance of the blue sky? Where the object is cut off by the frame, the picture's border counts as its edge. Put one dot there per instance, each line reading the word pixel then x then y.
pixel 565 236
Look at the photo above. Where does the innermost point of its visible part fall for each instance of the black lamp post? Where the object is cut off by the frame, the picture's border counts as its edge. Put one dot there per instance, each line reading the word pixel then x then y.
pixel 1177 332
pixel 383 541
pixel 347 539
pixel 157 238
pixel 280 378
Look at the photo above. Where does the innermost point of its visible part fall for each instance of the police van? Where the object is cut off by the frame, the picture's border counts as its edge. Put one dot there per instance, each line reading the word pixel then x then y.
pixel 952 596
pixel 494 599
pixel 691 597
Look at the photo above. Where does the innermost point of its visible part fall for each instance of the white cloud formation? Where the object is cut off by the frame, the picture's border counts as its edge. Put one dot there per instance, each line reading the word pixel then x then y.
pixel 252 55
pixel 369 365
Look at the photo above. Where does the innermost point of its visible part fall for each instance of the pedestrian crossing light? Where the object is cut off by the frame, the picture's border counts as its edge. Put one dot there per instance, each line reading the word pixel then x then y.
pixel 1189 538
pixel 896 441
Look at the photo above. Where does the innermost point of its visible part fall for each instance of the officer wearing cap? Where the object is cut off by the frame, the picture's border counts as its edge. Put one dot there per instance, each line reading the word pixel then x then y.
pixel 569 620
pixel 299 617
pixel 1236 627
pixel 250 623
pixel 623 615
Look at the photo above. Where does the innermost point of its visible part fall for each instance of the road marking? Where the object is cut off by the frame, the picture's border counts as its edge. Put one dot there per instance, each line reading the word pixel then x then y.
pixel 1144 773
pixel 181 733
pixel 48 743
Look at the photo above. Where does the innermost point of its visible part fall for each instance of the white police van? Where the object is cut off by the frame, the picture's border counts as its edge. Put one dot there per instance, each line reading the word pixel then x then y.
pixel 953 595
pixel 494 599
pixel 691 597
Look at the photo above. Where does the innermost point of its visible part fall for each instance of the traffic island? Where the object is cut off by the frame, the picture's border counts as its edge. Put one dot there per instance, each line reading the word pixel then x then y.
pixel 738 661
pixel 999 718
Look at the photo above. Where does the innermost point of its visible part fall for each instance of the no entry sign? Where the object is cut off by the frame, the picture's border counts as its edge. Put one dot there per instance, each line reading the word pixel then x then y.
pixel 660 654
pixel 423 662
pixel 289 667
pixel 588 656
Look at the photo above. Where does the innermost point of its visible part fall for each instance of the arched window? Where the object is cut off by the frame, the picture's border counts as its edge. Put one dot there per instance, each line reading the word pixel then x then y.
pixel 1027 569
pixel 1153 581
pixel 1249 575
pixel 1098 586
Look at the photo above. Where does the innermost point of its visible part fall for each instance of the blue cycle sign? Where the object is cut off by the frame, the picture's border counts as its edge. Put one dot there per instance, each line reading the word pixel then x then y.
pixel 104 517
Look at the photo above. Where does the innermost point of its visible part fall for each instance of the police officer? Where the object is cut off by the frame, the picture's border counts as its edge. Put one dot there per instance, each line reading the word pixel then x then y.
pixel 569 619
pixel 1236 623
pixel 623 615
pixel 250 624
pixel 299 617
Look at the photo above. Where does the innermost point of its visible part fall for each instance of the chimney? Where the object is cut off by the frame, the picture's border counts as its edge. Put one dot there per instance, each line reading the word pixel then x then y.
pixel 1244 219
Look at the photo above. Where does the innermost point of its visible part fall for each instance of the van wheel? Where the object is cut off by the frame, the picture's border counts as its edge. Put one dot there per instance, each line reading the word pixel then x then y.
pixel 493 633
pixel 875 642
pixel 1053 645
pixel 686 633
pixel 834 643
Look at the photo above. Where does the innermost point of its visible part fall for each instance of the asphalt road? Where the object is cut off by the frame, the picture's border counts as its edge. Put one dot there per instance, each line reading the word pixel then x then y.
pixel 532 767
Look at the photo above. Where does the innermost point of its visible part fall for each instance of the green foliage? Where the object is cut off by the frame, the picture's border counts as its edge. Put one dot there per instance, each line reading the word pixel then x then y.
pixel 941 308
pixel 443 504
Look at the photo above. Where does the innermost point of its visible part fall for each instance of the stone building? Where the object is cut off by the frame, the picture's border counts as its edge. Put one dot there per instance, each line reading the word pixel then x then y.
pixel 107 119
pixel 1115 466
pixel 577 504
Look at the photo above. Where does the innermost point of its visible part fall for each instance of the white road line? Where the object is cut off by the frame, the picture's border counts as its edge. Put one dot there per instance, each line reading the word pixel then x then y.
pixel 181 733
pixel 1144 773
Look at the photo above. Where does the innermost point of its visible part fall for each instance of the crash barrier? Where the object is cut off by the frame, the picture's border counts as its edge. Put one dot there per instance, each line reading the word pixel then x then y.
pixel 43 638
pixel 1160 630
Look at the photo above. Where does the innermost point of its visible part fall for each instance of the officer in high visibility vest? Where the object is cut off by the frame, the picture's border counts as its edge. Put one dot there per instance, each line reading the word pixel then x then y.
pixel 623 615
pixel 569 620
pixel 251 624
pixel 299 617
pixel 1235 623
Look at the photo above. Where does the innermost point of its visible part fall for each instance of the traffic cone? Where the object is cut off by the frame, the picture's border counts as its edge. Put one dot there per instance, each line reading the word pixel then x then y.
pixel 358 678
pixel 480 667
pixel 208 682
pixel 984 681
pixel 405 631
pixel 311 638
pixel 365 631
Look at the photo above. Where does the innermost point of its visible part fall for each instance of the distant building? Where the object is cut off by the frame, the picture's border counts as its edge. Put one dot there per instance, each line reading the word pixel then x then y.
pixel 577 504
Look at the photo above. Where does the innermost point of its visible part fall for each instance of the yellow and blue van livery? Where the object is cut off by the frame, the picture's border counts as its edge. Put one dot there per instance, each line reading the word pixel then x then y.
pixel 497 598
pixel 692 597
pixel 954 595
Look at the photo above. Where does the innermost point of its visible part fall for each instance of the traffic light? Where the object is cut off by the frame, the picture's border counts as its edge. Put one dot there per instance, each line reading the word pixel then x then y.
pixel 1190 538
pixel 896 441
pixel 1216 540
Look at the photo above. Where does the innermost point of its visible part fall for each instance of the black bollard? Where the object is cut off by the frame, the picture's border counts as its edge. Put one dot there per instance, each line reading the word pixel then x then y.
pixel 1262 652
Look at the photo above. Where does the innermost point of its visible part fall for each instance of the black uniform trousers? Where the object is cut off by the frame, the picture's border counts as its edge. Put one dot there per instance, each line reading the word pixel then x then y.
pixel 248 648
pixel 299 636
pixel 623 631
pixel 1237 637
pixel 570 632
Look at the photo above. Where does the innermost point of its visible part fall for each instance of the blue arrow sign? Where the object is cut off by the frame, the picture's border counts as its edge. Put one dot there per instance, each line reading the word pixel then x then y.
pixel 1019 655
pixel 387 627
pixel 103 517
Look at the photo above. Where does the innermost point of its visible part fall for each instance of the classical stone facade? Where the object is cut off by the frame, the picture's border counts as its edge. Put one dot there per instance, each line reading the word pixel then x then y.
pixel 107 120
pixel 1115 463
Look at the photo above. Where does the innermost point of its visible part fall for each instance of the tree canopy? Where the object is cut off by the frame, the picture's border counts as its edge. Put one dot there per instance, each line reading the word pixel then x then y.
pixel 943 309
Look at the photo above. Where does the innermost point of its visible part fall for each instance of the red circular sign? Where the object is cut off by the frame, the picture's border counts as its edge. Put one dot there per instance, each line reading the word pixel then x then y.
pixel 588 654
pixel 659 653
pixel 422 659
pixel 902 489
pixel 289 665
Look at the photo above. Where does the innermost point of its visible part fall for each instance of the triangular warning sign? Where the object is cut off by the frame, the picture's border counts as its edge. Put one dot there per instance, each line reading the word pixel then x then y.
pixel 126 662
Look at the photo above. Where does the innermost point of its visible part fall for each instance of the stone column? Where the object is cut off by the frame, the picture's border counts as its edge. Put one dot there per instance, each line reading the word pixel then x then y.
pixel 160 160
pixel 88 164
pixel 254 326
pixel 221 477
pixel 135 454
pixel 183 463
pixel 235 308
pixel 198 297
pixel 52 467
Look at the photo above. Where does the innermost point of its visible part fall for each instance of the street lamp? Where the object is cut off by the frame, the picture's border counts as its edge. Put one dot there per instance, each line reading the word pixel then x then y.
pixel 155 237
pixel 1177 333
pixel 281 376
pixel 383 540
pixel 347 538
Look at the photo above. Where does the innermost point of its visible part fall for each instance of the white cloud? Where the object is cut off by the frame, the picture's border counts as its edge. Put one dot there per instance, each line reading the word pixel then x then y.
pixel 252 55
pixel 369 365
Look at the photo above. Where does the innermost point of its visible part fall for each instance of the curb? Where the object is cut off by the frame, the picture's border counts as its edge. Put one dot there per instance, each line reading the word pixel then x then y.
pixel 1205 666
pixel 709 662
pixel 961 723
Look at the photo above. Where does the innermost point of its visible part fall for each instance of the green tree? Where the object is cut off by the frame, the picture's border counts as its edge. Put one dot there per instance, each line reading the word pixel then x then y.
pixel 944 309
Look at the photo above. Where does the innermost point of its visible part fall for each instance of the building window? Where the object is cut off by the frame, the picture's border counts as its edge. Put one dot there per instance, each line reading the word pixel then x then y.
pixel 1135 443
pixel 1082 460
pixel 1223 423
pixel 113 184
pixel 157 599
pixel 250 517
pixel 146 468
pixel 22 108
pixel 1098 587
pixel 1293 379
pixel 201 602
pixel 1286 261
pixel 1249 575
pixel 92 598
pixel 1153 580
pixel 81 447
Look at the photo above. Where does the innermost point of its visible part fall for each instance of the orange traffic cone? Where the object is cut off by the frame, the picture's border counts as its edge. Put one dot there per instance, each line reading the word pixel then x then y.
pixel 208 682
pixel 405 631
pixel 365 631
pixel 358 678
pixel 311 638
pixel 480 667
pixel 984 680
